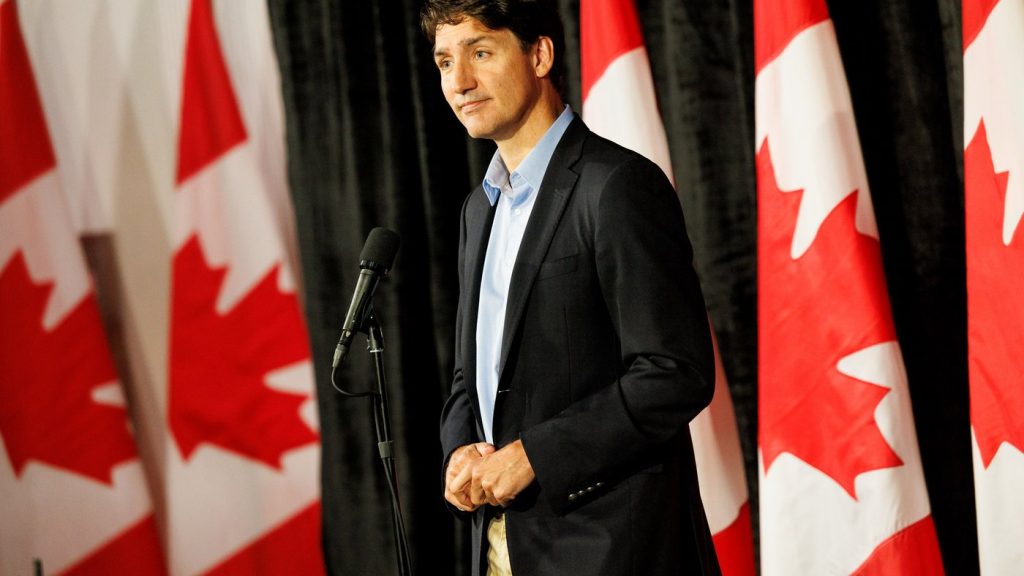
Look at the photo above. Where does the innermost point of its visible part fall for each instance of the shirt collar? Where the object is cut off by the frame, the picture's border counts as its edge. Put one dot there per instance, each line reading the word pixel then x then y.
pixel 531 170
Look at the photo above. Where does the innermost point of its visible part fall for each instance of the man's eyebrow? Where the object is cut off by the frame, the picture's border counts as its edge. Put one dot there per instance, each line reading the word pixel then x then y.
pixel 442 51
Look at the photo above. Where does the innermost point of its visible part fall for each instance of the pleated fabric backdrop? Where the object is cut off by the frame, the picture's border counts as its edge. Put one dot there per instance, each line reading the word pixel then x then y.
pixel 371 142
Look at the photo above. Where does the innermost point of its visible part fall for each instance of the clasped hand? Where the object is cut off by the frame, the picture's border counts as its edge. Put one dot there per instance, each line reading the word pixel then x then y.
pixel 478 474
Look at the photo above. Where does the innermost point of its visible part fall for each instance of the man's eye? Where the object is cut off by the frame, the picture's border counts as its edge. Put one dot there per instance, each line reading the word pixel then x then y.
pixel 480 54
pixel 444 64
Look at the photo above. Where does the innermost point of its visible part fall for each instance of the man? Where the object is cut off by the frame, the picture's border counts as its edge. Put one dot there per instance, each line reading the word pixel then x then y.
pixel 583 348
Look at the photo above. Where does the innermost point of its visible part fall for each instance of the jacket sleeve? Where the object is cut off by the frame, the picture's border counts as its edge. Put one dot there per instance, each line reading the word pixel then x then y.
pixel 644 267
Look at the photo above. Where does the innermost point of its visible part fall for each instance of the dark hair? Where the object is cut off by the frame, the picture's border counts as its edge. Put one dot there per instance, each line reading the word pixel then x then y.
pixel 528 20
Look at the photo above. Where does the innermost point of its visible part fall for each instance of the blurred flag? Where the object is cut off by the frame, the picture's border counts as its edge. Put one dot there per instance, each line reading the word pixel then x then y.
pixel 994 203
pixel 619 103
pixel 242 476
pixel 842 490
pixel 73 494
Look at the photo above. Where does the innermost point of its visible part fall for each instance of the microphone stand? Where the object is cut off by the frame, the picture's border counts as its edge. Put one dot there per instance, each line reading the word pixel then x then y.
pixel 382 425
pixel 382 421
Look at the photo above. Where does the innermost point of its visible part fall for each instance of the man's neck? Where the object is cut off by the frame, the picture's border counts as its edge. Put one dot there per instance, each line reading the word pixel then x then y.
pixel 515 148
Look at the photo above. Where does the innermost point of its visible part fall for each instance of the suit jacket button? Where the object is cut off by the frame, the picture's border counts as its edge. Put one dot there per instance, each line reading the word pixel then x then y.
pixel 572 497
pixel 590 488
pixel 599 484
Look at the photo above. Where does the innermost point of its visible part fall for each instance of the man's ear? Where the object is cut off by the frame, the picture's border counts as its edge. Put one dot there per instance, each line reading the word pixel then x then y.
pixel 543 56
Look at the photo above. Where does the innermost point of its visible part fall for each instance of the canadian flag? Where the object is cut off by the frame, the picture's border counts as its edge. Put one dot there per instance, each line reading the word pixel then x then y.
pixel 619 103
pixel 842 489
pixel 73 496
pixel 993 33
pixel 242 462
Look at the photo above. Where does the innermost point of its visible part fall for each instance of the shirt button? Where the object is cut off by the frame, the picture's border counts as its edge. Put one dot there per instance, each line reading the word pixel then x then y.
pixel 517 211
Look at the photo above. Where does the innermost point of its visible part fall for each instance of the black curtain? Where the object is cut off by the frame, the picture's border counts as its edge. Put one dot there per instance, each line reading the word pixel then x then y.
pixel 371 142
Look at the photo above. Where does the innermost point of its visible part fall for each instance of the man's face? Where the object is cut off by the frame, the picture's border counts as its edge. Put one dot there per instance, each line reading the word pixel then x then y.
pixel 488 80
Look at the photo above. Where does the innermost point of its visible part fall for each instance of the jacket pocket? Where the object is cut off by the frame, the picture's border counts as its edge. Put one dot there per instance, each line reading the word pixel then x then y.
pixel 558 266
pixel 656 468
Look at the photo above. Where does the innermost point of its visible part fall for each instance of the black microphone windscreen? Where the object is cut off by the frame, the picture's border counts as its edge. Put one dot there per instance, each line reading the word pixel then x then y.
pixel 380 249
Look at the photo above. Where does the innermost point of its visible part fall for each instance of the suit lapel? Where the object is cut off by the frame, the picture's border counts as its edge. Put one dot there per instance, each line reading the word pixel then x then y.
pixel 479 217
pixel 554 193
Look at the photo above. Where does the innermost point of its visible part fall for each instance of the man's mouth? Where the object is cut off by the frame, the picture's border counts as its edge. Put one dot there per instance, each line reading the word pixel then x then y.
pixel 468 107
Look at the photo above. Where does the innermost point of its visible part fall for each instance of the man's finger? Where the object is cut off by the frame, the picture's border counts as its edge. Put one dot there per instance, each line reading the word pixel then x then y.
pixel 460 480
pixel 483 448
pixel 477 494
pixel 492 499
pixel 459 458
pixel 460 501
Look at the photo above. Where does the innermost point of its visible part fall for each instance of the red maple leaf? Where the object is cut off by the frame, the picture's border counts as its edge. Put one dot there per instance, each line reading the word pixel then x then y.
pixel 995 307
pixel 813 311
pixel 47 379
pixel 219 363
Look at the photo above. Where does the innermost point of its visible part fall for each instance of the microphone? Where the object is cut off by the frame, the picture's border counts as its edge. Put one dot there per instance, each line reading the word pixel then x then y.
pixel 374 262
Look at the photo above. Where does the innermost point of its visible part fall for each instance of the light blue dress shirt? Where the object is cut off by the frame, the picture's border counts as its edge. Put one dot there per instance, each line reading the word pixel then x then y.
pixel 515 195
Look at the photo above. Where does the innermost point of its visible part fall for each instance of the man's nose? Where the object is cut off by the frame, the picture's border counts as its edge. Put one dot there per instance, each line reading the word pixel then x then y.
pixel 462 78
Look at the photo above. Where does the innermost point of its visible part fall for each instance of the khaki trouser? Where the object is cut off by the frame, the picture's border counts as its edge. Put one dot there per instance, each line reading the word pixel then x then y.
pixel 497 552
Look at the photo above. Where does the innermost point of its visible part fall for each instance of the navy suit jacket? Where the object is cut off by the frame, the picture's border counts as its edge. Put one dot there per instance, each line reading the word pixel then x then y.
pixel 606 357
